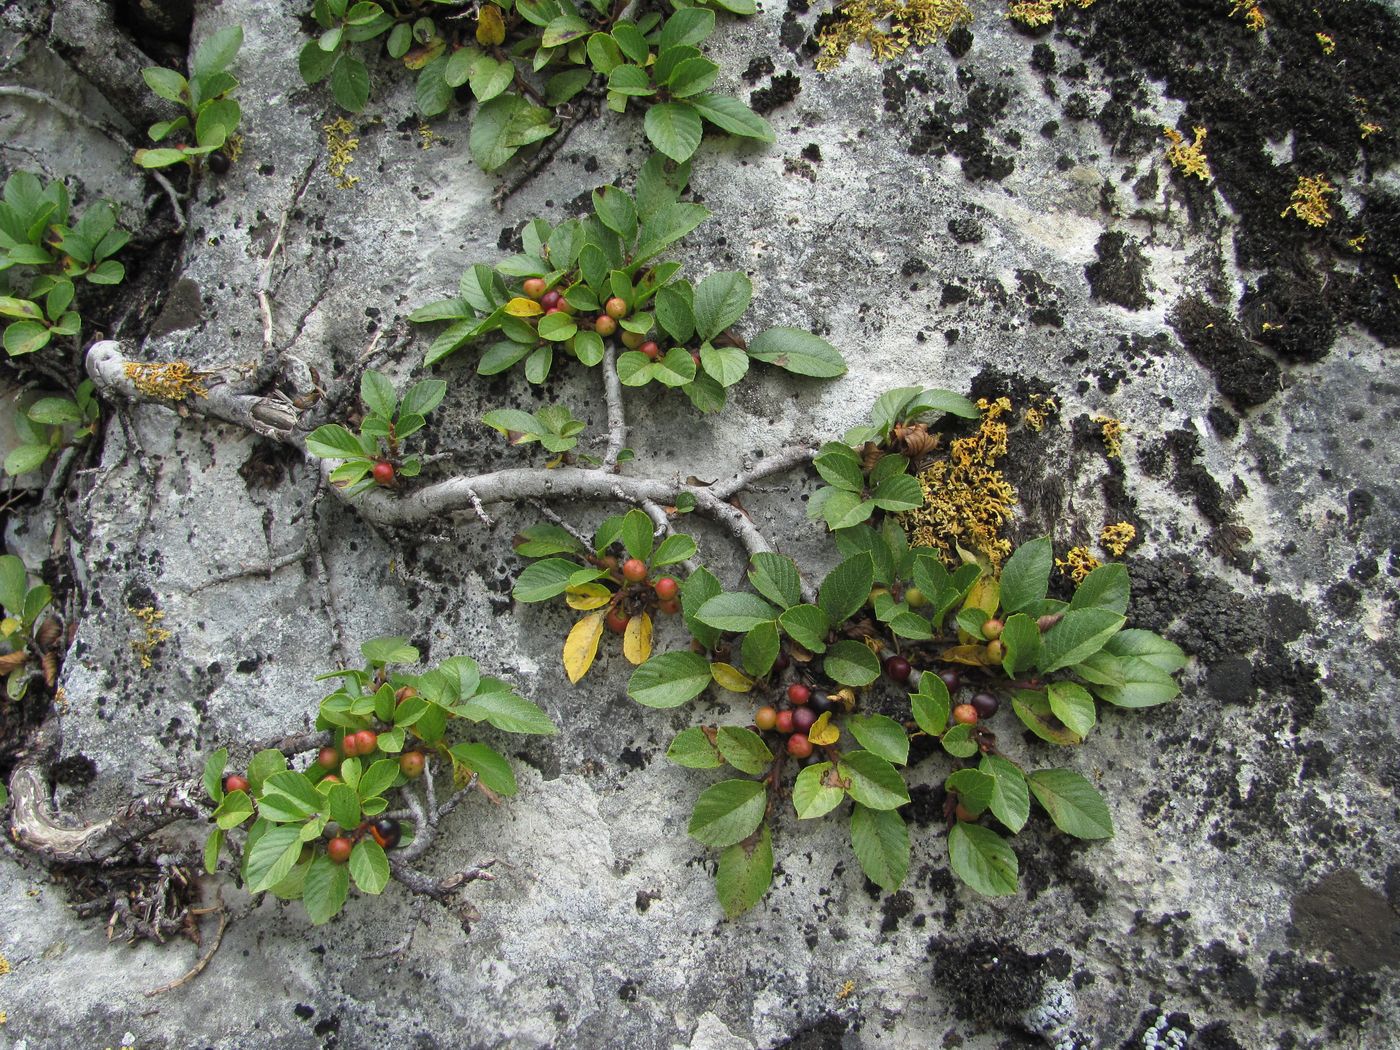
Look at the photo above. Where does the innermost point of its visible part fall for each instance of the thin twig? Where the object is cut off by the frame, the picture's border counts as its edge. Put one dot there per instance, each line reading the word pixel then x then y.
pixel 552 145
pixel 102 128
pixel 265 571
pixel 617 415
pixel 550 516
pixel 199 966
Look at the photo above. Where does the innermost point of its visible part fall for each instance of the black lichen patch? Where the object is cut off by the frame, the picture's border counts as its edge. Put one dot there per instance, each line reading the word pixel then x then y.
pixel 781 90
pixel 1334 997
pixel 1242 372
pixel 1344 916
pixel 1119 275
pixel 965 132
pixel 993 982
pixel 823 1034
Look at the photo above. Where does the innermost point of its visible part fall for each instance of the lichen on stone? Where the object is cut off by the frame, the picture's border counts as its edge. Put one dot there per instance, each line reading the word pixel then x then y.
pixel 340 152
pixel 170 380
pixel 1077 563
pixel 1035 13
pixel 1309 201
pixel 1111 430
pixel 1116 538
pixel 888 27
pixel 154 635
pixel 1189 160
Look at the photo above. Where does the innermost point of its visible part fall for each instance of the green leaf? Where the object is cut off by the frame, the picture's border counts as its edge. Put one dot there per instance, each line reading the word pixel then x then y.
pixel 423 397
pixel 958 741
pixel 760 649
pixel 839 465
pixel 744 874
pixel 1080 633
pixel 564 29
pixel 931 704
pixel 378 778
pixel 630 39
pixel 493 770
pixel 874 782
pixel 630 80
pixel 725 364
pixel 1073 706
pixel 637 536
pixel 389 650
pixel 214 765
pixel 973 787
pixel 212 845
pixel 1073 803
pixel 333 441
pixel 731 115
pixel 880 839
pixel 775 577
pixel 982 859
pixel 693 749
pixel 743 749
pixel 24 458
pixel 288 796
pixel 369 867
pixel 1021 637
pixel 603 53
pixel 1143 684
pixel 881 735
pixel 327 886
pixel 1026 576
pixel 673 550
pixel 537 365
pixel 489 78
pixel 898 494
pixel 503 125
pixel 1010 802
pixel 673 128
pixel 851 663
pixel 687 25
pixel 313 63
pixel 719 301
pixel 736 612
pixel 846 588
pixel 507 712
pixel 350 83
pixel 432 93
pixel 666 226
pixel 545 579
pixel 698 588
pixel 344 805
pixel 1104 588
pixel 616 211
pixel 166 83
pixel 264 764
pixel 812 796
pixel 1033 709
pixel 217 52
pixel 20 308
pixel 269 859
pixel 674 313
pixel 233 810
pixel 806 625
pixel 25 337
pixel 1148 647
pixel 799 352
pixel 728 812
pixel 669 679
pixel 378 393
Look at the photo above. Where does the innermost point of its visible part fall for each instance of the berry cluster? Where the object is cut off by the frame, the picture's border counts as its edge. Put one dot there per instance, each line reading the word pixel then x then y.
pixel 605 323
pixel 800 711
pixel 978 707
pixel 638 594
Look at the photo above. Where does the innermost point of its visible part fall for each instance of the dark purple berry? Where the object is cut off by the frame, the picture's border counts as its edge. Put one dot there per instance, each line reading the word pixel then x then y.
pixel 781 663
pixel 219 163
pixel 387 831
pixel 951 678
pixel 802 719
pixel 986 704
pixel 821 703
pixel 898 668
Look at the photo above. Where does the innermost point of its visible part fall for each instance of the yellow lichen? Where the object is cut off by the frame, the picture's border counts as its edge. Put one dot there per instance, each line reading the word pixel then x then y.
pixel 1328 44
pixel 1190 160
pixel 149 616
pixel 4 966
pixel 888 27
pixel 1040 12
pixel 426 138
pixel 233 147
pixel 1117 537
pixel 340 149
pixel 1112 431
pixel 1310 200
pixel 1253 16
pixel 967 499
pixel 1039 411
pixel 1369 128
pixel 1077 564
pixel 171 380
pixel 846 989
pixel 1358 244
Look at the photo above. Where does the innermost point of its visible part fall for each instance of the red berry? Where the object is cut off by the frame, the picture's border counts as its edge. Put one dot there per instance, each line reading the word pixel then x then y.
pixel 550 300
pixel 330 778
pixel 803 719
pixel 965 714
pixel 898 668
pixel 366 741
pixel 964 814
pixel 634 570
pixel 219 163
pixel 799 746
pixel 670 608
pixel 406 693
pixel 236 783
pixel 765 718
pixel 616 620
pixel 384 473
pixel 615 308
pixel 386 831
pixel 985 704
pixel 556 310
pixel 650 349
pixel 339 849
pixel 328 758
pixel 667 588
pixel 412 763
pixel 798 693
pixel 604 325
pixel 783 722
pixel 534 287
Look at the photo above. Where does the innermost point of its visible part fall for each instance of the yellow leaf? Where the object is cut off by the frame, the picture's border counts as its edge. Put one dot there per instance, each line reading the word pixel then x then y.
pixel 636 640
pixel 490 27
pixel 731 678
pixel 8 626
pixel 582 646
pixel 823 732
pixel 522 307
pixel 985 595
pixel 588 596
pixel 974 655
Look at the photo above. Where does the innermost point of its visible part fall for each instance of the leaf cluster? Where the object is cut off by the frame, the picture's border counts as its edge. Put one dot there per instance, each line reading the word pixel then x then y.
pixel 210 116
pixel 522 60
pixel 290 813
pixel 553 426
pixel 23 606
pixel 46 424
pixel 387 421
pixel 611 254
pixel 42 254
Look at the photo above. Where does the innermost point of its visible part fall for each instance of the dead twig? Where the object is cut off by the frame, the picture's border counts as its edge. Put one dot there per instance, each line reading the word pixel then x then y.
pixel 198 967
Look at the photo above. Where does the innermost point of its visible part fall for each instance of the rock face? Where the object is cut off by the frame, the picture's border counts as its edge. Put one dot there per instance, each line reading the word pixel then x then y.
pixel 994 215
